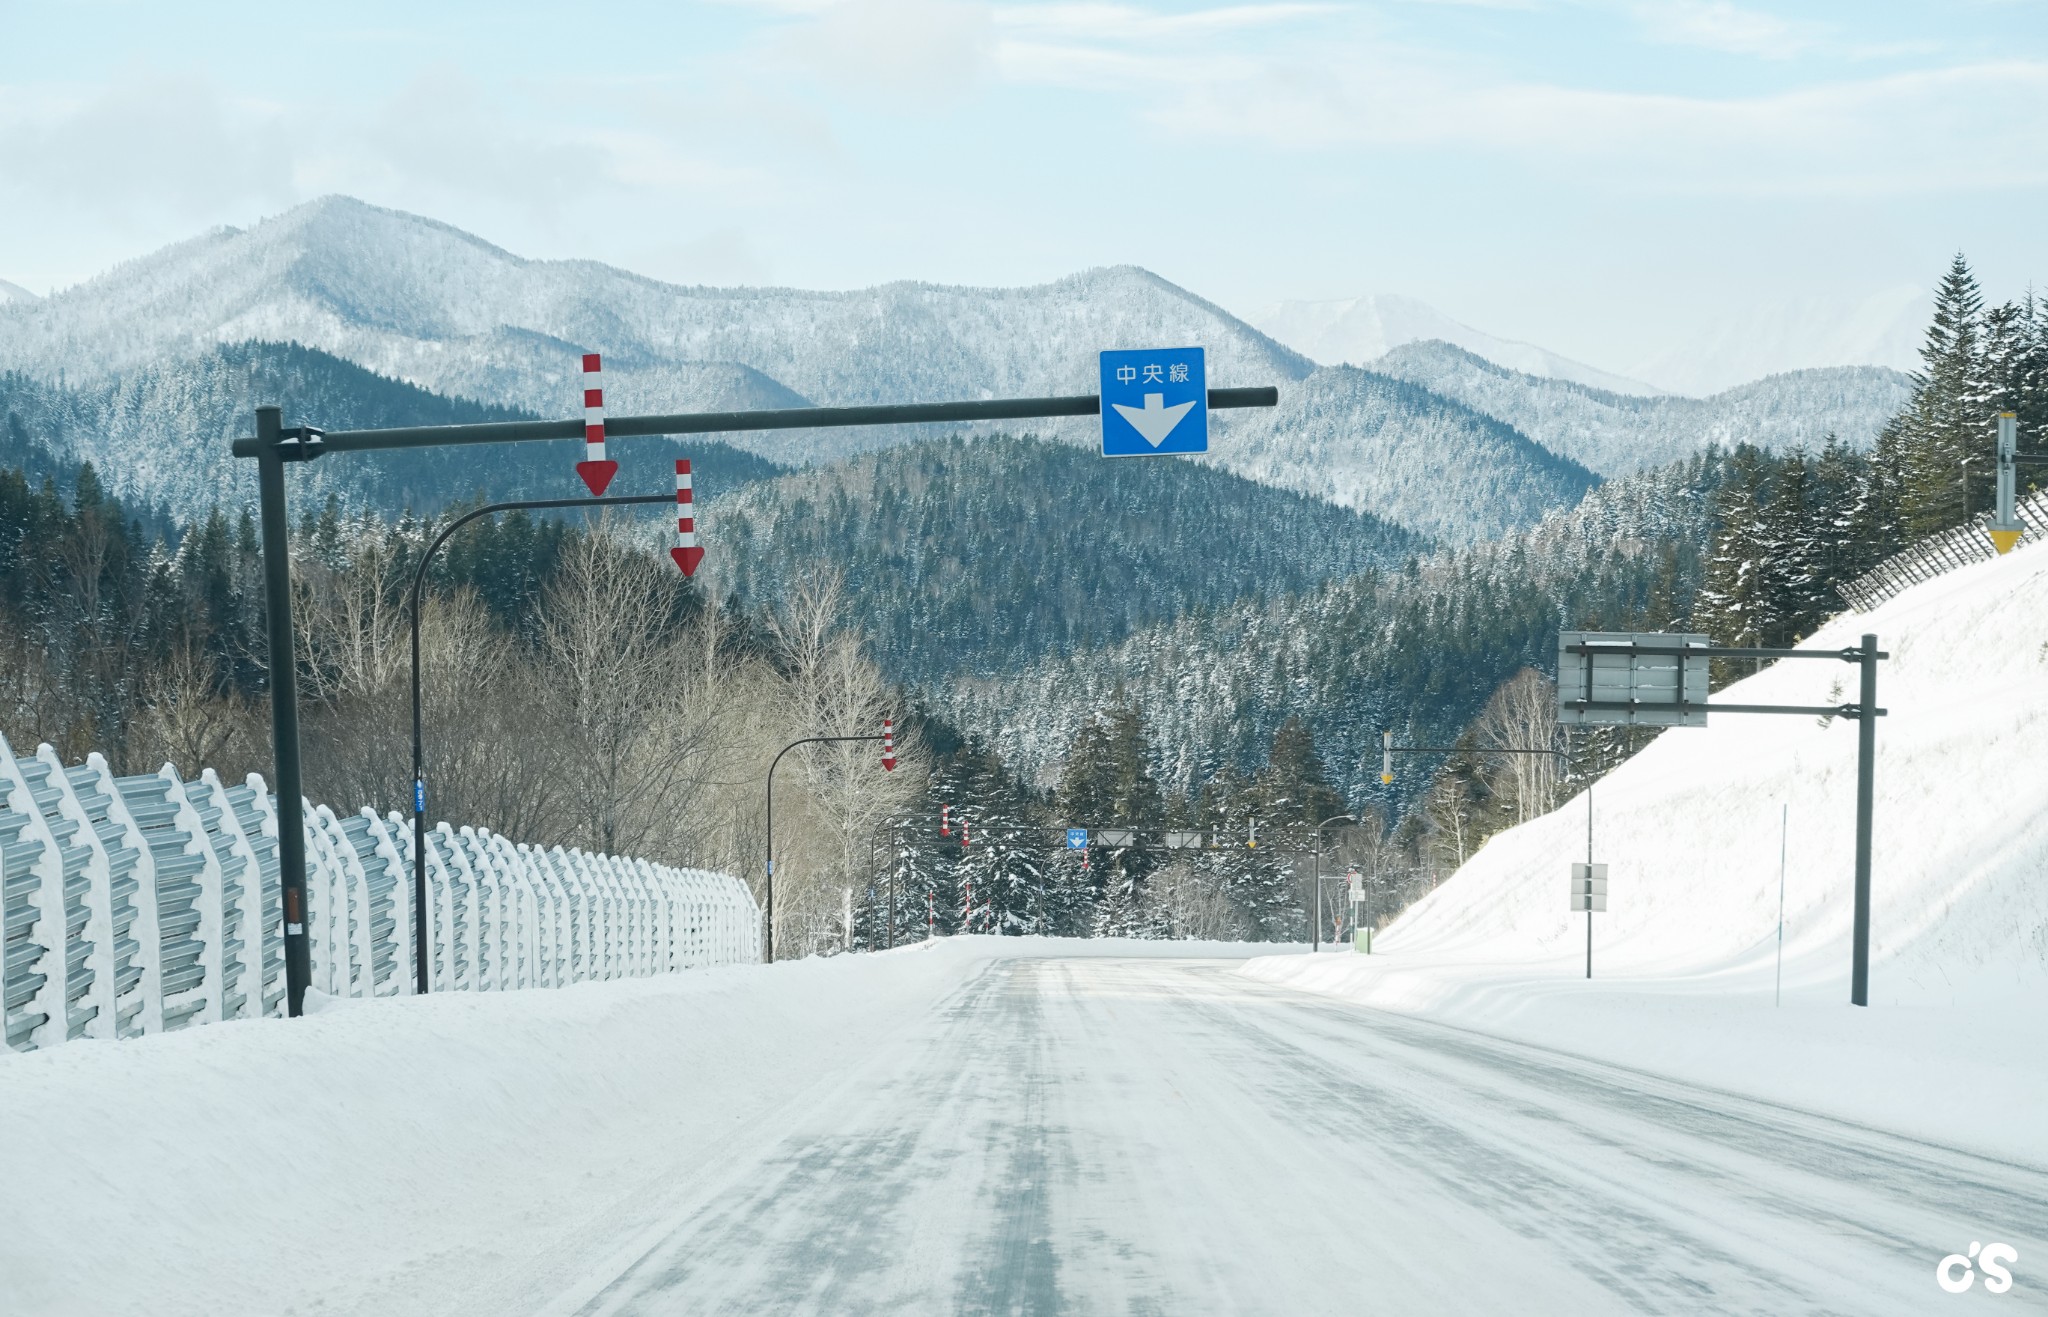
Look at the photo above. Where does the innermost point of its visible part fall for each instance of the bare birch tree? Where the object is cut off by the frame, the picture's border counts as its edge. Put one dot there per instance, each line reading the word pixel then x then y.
pixel 1522 714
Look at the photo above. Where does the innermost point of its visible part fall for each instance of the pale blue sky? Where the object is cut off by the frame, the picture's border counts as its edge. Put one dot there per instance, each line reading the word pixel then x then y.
pixel 1601 176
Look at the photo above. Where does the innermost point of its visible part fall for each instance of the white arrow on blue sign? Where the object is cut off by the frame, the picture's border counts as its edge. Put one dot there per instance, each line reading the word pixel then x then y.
pixel 1077 839
pixel 1154 400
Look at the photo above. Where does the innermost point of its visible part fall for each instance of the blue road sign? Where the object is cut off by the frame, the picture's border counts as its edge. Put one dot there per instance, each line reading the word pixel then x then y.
pixel 1077 839
pixel 1154 400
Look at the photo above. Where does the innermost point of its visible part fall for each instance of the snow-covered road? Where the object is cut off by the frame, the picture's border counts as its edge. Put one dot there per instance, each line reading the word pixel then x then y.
pixel 1086 1134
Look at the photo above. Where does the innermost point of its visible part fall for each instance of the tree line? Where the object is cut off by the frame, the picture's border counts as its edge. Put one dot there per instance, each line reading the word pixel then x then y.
pixel 576 690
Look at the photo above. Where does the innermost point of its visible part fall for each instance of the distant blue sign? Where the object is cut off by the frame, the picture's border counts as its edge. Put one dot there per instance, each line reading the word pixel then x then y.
pixel 1077 839
pixel 1155 400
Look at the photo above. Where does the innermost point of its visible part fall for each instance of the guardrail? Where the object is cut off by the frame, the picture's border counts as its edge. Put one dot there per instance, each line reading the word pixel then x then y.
pixel 1942 552
pixel 135 905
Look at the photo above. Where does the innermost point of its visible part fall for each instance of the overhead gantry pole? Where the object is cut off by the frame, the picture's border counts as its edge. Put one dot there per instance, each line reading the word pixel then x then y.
pixel 273 446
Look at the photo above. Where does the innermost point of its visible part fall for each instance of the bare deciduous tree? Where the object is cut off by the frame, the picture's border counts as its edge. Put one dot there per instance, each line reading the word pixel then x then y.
pixel 1523 714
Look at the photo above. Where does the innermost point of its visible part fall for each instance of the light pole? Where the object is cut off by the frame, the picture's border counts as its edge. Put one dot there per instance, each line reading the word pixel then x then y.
pixel 419 772
pixel 888 740
pixel 1315 932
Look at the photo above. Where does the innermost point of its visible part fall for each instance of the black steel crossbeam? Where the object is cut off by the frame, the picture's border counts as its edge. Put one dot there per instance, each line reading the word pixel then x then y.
pixel 1850 654
pixel 781 418
pixel 1465 749
pixel 1657 706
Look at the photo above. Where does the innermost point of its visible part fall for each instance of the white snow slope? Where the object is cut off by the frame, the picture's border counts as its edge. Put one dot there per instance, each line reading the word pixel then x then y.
pixel 1953 1043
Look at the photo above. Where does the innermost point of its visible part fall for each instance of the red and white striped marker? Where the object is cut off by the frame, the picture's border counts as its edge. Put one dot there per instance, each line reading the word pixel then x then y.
pixel 686 553
pixel 597 473
pixel 888 745
pixel 945 820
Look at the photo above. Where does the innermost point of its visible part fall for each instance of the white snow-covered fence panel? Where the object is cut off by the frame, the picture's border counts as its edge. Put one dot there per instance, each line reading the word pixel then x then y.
pixel 1939 553
pixel 139 904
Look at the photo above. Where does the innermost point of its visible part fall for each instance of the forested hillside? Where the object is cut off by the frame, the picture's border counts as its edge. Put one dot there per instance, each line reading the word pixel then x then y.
pixel 1417 649
pixel 980 555
pixel 159 435
pixel 1401 452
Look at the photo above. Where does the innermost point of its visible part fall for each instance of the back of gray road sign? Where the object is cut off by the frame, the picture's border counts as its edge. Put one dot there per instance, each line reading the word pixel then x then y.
pixel 1650 690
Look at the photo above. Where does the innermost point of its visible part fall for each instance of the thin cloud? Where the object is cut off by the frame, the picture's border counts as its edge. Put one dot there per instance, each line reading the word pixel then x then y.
pixel 1913 130
pixel 1719 25
pixel 1111 22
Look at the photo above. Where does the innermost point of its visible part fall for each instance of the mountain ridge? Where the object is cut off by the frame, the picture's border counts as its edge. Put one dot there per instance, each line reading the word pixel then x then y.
pixel 1617 434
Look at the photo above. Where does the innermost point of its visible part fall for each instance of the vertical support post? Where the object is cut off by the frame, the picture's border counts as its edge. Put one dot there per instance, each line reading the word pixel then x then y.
pixel 1866 769
pixel 284 706
pixel 1589 869
pixel 1315 923
pixel 895 862
pixel 419 803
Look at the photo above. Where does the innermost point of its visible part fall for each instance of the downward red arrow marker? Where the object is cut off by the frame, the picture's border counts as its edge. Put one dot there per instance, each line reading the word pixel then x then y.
pixel 597 475
pixel 686 553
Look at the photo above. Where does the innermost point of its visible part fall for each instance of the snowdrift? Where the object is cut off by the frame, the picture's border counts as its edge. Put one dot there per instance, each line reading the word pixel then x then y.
pixel 1689 829
pixel 1684 959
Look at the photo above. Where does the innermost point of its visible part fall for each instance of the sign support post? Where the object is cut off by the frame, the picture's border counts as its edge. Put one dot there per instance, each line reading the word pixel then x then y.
pixel 274 450
pixel 273 445
pixel 1617 687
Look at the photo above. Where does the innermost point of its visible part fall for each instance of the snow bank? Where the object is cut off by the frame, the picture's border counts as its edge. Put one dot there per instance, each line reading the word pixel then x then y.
pixel 393 1155
pixel 1685 956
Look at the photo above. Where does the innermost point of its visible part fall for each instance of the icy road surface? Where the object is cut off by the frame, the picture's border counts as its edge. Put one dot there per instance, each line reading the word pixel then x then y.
pixel 1095 1135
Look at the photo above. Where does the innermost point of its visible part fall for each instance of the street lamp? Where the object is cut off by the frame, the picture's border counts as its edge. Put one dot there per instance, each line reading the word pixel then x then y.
pixel 1315 932
pixel 887 736
pixel 419 771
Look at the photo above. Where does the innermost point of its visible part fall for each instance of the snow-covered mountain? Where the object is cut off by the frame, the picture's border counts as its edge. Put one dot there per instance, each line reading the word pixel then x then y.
pixel 1447 453
pixel 15 293
pixel 1882 329
pixel 1358 331
pixel 424 303
pixel 1615 434
pixel 428 304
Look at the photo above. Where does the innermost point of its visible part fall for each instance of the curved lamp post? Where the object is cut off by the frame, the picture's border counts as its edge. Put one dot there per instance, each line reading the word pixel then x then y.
pixel 885 736
pixel 1315 932
pixel 419 773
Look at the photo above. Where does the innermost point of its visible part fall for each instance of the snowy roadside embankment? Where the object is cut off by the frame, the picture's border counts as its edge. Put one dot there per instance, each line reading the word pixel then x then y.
pixel 1954 1045
pixel 388 1155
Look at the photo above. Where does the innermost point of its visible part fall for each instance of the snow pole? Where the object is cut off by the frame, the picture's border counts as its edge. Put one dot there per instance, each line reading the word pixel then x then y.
pixel 597 473
pixel 888 745
pixel 686 553
pixel 1784 826
pixel 945 820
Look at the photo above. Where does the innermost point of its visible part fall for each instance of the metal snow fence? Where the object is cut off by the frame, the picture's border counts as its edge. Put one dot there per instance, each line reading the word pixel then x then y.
pixel 1940 553
pixel 137 905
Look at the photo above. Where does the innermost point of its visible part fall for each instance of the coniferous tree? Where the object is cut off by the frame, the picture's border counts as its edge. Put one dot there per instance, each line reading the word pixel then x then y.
pixel 1733 603
pixel 1947 451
